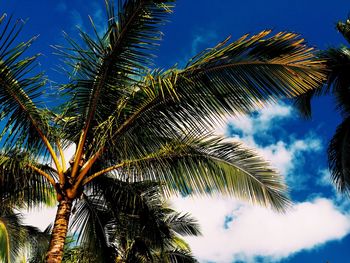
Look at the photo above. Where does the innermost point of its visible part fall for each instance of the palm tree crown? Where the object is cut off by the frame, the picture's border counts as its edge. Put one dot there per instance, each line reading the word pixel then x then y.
pixel 132 122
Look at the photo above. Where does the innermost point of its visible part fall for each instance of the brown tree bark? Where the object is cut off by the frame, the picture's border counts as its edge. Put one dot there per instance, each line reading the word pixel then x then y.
pixel 59 232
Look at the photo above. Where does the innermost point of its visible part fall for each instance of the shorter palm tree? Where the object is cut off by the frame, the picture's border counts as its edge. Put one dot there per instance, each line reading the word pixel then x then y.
pixel 338 85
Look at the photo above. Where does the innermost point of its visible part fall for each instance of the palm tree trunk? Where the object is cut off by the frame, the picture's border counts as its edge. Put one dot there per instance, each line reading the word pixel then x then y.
pixel 59 232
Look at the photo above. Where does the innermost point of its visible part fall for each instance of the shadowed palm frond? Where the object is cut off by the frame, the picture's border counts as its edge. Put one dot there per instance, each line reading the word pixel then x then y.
pixel 132 220
pixel 338 154
pixel 39 241
pixel 20 184
pixel 177 256
pixel 13 236
pixel 344 29
pixel 338 83
pixel 89 219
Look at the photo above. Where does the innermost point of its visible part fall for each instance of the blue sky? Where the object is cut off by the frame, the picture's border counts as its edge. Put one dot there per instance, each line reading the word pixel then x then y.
pixel 316 230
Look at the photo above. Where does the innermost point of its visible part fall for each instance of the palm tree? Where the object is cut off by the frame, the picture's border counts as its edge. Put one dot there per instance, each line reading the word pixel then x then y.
pixel 338 85
pixel 129 120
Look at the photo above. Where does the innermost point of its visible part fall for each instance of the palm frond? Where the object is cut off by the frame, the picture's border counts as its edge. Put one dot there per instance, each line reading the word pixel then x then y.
pixel 344 29
pixel 20 185
pixel 207 165
pixel 19 87
pixel 338 82
pixel 338 154
pixel 183 224
pixel 38 243
pixel 88 221
pixel 178 256
pixel 234 78
pixel 12 237
pixel 104 69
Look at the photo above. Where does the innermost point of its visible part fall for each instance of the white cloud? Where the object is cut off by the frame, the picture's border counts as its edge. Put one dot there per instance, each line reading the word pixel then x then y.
pixel 257 231
pixel 261 122
pixel 287 153
pixel 40 217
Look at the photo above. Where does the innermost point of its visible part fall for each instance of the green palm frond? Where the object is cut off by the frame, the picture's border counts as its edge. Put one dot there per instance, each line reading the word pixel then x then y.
pixel 338 154
pixel 234 78
pixel 208 165
pixel 18 90
pixel 183 224
pixel 12 237
pixel 104 70
pixel 39 241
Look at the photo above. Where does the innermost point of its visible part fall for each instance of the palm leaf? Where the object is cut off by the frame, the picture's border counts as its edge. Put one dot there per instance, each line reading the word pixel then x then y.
pixel 338 61
pixel 25 123
pixel 205 165
pixel 20 185
pixel 183 224
pixel 344 29
pixel 104 70
pixel 338 154
pixel 177 256
pixel 234 78
pixel 12 236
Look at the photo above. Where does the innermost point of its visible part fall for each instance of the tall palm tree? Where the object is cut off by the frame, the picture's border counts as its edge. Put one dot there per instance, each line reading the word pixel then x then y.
pixel 137 123
pixel 338 85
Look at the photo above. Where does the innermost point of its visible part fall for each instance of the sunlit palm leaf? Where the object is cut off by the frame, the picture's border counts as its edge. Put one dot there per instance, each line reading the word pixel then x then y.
pixel 234 78
pixel 105 70
pixel 211 165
